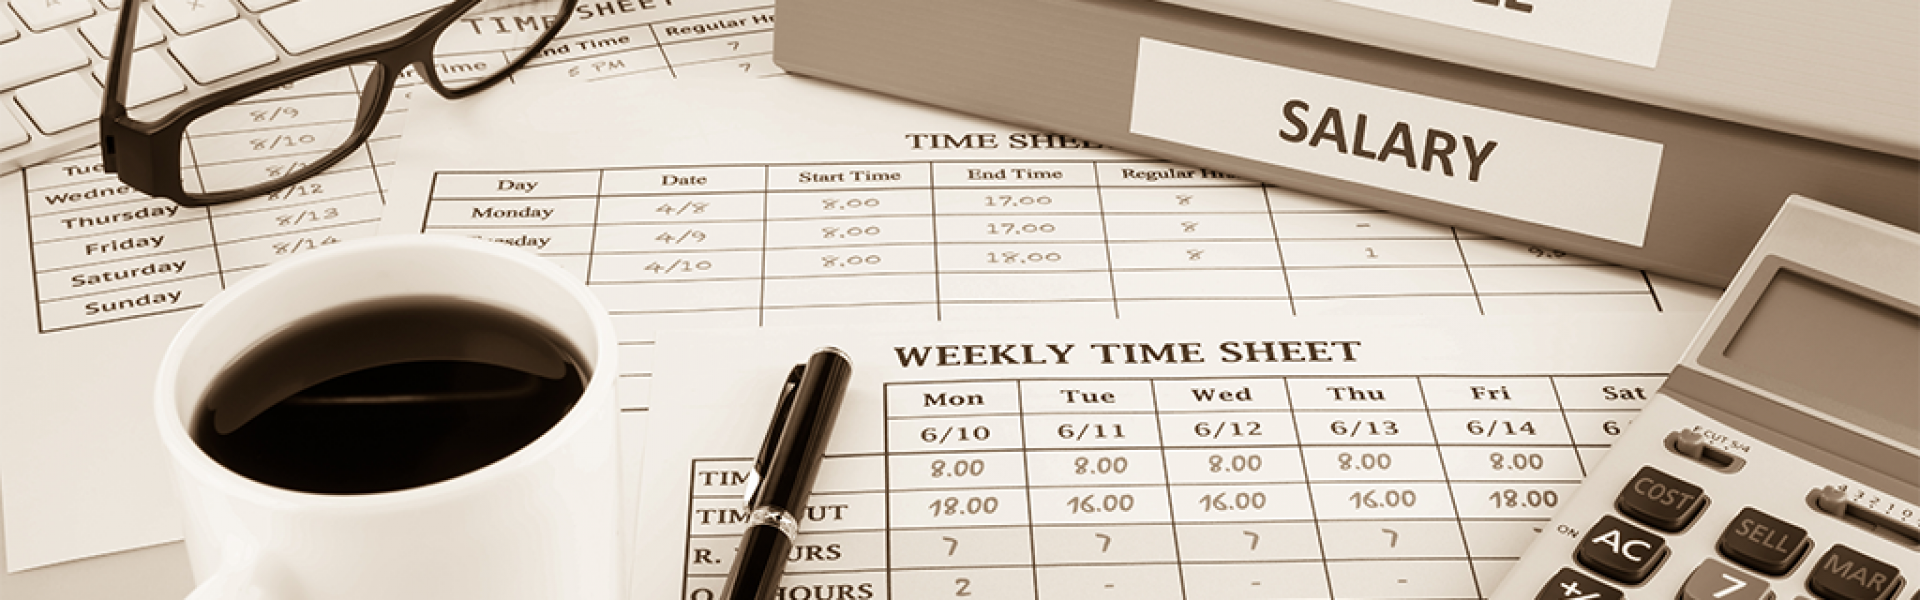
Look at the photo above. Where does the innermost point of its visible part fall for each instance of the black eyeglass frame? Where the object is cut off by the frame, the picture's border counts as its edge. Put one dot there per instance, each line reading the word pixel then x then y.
pixel 151 151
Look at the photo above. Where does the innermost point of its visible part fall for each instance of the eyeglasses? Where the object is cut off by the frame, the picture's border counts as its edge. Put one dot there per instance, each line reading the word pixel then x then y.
pixel 257 136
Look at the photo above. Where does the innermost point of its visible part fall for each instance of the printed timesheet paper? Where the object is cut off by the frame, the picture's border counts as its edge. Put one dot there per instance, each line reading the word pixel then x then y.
pixel 1379 457
pixel 785 200
pixel 80 468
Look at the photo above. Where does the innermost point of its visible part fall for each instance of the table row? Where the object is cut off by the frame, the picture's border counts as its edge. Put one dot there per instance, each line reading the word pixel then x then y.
pixel 1229 429
pixel 865 177
pixel 1459 579
pixel 739 217
pixel 1076 468
pixel 1215 394
pixel 1156 504
pixel 960 547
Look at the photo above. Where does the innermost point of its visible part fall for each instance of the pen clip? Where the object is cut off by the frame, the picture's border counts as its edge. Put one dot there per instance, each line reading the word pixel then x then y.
pixel 764 460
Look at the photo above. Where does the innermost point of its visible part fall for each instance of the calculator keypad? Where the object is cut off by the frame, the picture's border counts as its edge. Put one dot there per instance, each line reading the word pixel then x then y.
pixel 1620 551
pixel 1651 522
pixel 1763 542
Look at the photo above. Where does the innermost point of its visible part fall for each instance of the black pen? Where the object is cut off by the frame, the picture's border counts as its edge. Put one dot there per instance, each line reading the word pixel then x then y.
pixel 783 472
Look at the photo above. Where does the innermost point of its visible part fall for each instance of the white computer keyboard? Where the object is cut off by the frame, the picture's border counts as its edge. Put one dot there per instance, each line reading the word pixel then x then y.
pixel 53 56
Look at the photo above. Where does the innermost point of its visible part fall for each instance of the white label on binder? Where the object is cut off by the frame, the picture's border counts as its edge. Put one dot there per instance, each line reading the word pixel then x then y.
pixel 1580 180
pixel 1628 31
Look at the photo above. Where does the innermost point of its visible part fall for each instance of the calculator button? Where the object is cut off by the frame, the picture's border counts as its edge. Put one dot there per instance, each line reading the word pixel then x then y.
pixel 1620 551
pixel 1660 500
pixel 1570 584
pixel 1845 574
pixel 1767 544
pixel 1715 580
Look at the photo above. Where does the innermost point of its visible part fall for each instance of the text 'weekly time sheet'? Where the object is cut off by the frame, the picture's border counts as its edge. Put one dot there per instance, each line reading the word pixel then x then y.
pixel 1341 457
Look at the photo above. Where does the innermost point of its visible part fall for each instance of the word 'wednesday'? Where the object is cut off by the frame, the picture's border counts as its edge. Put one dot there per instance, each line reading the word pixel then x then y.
pixel 1439 145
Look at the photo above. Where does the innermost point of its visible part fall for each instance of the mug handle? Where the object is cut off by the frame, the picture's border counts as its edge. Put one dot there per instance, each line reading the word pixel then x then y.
pixel 239 576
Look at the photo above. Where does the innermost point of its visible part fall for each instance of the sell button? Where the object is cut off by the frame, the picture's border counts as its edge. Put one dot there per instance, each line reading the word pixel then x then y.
pixel 1767 544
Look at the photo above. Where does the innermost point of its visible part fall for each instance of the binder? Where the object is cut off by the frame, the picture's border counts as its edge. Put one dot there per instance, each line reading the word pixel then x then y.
pixel 1846 74
pixel 1671 191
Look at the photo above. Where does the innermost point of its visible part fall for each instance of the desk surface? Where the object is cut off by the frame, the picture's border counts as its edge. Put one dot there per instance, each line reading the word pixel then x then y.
pixel 152 573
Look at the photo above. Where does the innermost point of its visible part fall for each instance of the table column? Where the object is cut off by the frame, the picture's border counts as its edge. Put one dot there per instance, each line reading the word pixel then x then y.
pixel 1506 448
pixel 1373 262
pixel 957 503
pixel 849 243
pixel 104 252
pixel 273 133
pixel 681 246
pixel 1187 240
pixel 1102 515
pixel 1021 239
pixel 1598 408
pixel 1387 522
pixel 730 43
pixel 841 551
pixel 1243 518
pixel 549 213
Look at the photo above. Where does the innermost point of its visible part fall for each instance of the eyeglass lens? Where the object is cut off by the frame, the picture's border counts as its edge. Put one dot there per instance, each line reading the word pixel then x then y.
pixel 271 137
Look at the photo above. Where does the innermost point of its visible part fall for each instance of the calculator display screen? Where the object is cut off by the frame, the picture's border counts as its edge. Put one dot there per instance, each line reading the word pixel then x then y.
pixel 1856 358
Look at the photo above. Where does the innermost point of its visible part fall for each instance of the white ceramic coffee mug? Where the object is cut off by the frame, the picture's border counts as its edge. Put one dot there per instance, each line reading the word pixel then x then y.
pixel 540 523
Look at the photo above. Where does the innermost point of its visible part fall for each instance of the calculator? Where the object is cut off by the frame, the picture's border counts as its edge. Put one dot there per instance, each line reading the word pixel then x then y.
pixel 1781 457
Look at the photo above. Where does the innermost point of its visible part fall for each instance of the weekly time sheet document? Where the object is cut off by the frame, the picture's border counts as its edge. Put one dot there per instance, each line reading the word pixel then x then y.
pixel 1339 457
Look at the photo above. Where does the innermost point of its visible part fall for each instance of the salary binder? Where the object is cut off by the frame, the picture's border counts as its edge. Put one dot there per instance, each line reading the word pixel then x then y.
pixel 1633 183
pixel 1844 74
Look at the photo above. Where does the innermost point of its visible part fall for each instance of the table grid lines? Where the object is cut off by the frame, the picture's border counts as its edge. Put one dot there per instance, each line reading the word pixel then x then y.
pixel 765 243
pixel 955 427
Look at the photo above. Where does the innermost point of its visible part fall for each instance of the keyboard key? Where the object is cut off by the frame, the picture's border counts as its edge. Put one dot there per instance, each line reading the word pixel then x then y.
pixel 260 5
pixel 188 16
pixel 1570 584
pixel 1620 551
pixel 99 31
pixel 303 26
pixel 1660 500
pixel 1715 580
pixel 7 30
pixel 1846 574
pixel 41 15
pixel 38 56
pixel 152 78
pixel 222 51
pixel 1763 542
pixel 61 103
pixel 12 131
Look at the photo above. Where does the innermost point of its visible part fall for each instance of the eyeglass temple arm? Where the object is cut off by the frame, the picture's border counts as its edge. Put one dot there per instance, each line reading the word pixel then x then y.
pixel 113 102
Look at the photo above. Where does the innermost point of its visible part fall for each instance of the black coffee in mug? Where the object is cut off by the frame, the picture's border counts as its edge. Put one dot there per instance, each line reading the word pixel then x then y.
pixel 387 395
